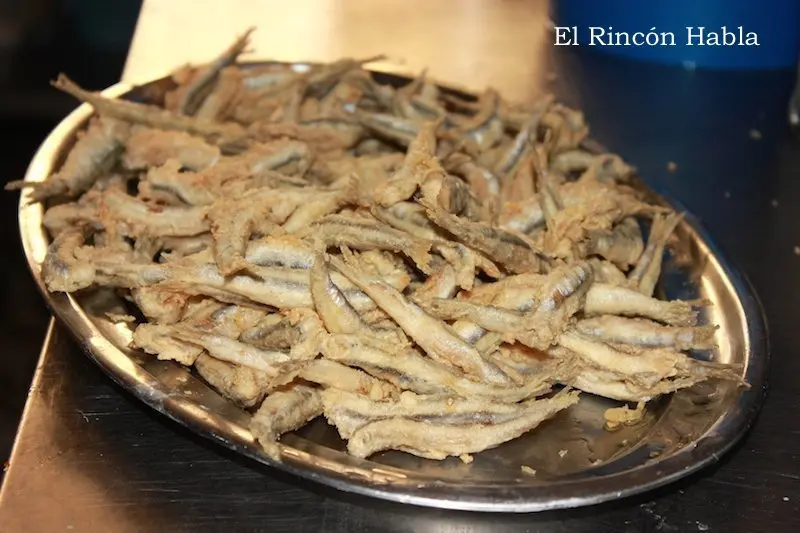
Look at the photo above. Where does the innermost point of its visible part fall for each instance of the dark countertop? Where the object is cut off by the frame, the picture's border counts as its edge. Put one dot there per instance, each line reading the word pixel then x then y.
pixel 89 457
pixel 39 39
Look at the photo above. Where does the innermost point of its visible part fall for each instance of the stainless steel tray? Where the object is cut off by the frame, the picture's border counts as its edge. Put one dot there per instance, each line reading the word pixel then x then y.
pixel 577 461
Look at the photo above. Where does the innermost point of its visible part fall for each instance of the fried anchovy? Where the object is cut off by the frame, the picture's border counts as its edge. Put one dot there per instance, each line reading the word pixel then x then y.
pixel 420 163
pixel 333 308
pixel 280 251
pixel 147 147
pixel 485 129
pixel 608 273
pixel 333 375
pixel 524 140
pixel 647 334
pixel 62 270
pixel 647 369
pixel 204 81
pixel 622 245
pixel 438 441
pixel 273 332
pixel 95 152
pixel 274 287
pixel 284 411
pixel 159 305
pixel 230 350
pixel 438 340
pixel 604 299
pixel 646 272
pixel 365 234
pixel 244 386
pixel 502 247
pixel 559 299
pixel 348 411
pixel 486 316
pixel 401 131
pixel 323 204
pixel 228 136
pixel 441 284
pixel 159 340
pixel 232 176
pixel 409 370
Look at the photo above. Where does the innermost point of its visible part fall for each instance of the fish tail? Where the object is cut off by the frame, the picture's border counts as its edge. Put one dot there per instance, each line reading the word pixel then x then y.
pixel 699 303
pixel 646 209
pixel 704 338
pixel 63 83
pixel 723 371
pixel 664 225
pixel 353 192
pixel 240 45
pixel 348 256
pixel 17 185
pixel 420 254
pixel 680 313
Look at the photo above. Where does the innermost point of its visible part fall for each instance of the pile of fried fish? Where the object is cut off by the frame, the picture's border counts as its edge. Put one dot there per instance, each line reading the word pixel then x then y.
pixel 431 272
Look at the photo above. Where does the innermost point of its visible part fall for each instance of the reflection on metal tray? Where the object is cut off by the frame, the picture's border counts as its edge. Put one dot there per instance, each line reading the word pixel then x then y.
pixel 577 461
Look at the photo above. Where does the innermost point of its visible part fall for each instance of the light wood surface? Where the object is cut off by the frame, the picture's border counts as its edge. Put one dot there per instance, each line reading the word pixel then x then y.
pixel 470 43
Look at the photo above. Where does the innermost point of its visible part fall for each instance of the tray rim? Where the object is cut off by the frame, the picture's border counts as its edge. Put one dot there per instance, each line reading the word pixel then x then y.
pixel 378 480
